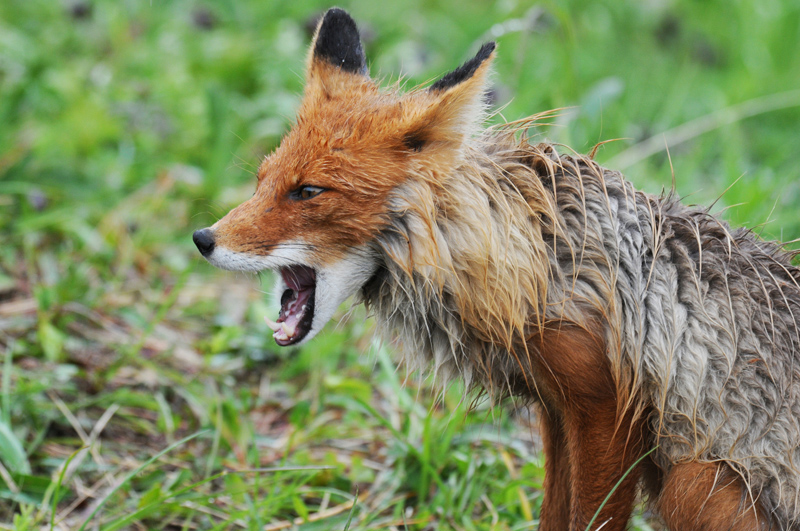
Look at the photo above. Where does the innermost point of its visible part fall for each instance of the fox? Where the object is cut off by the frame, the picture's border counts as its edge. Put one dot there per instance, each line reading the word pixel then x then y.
pixel 659 345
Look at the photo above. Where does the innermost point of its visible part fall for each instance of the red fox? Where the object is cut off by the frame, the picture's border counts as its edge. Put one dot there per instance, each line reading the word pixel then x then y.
pixel 635 323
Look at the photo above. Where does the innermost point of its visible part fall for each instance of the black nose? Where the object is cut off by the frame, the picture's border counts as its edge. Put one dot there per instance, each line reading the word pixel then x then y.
pixel 204 240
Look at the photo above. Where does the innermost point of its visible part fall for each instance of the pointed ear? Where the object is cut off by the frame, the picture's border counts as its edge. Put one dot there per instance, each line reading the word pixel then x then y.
pixel 337 44
pixel 450 108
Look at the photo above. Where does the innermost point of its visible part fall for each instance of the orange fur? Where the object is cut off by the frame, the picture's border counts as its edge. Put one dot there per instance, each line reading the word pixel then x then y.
pixel 708 497
pixel 588 445
pixel 338 108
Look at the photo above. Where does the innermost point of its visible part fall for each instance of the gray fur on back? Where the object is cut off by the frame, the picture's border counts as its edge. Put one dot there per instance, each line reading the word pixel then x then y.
pixel 719 350
pixel 710 325
pixel 701 319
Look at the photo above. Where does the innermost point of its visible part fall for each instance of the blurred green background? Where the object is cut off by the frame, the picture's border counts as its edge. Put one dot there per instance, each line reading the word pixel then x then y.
pixel 125 125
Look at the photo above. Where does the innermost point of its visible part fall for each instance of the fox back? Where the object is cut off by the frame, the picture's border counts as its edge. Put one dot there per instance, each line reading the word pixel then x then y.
pixel 632 321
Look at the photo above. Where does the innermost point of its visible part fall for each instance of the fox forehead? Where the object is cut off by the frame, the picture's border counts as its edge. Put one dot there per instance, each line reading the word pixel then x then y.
pixel 338 142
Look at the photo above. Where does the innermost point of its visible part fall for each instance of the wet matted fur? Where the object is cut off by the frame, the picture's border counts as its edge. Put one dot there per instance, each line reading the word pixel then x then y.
pixel 636 323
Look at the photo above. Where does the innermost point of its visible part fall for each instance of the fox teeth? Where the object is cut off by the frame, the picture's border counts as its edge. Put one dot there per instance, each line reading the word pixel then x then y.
pixel 289 331
pixel 272 324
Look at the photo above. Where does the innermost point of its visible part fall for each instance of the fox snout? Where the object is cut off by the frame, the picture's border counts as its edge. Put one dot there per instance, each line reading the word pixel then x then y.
pixel 204 240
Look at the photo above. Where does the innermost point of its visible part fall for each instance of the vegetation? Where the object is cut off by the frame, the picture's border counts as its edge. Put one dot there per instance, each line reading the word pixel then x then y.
pixel 140 388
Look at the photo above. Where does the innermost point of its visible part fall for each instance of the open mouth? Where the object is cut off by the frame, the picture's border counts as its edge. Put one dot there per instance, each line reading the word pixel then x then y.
pixel 297 306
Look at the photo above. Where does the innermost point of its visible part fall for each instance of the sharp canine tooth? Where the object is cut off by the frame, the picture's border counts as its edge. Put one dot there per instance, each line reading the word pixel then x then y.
pixel 289 331
pixel 272 324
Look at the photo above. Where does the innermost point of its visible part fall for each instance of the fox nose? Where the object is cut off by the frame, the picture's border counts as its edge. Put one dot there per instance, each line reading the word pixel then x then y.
pixel 204 240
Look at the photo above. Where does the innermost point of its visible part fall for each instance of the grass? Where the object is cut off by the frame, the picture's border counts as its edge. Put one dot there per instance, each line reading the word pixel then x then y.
pixel 139 387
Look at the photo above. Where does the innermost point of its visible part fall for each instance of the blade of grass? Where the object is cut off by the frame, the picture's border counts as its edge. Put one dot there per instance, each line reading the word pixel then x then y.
pixel 143 511
pixel 58 484
pixel 704 124
pixel 352 510
pixel 412 450
pixel 136 471
pixel 5 393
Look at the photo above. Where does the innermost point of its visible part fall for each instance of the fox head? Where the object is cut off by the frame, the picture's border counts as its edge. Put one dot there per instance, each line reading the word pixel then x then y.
pixel 324 196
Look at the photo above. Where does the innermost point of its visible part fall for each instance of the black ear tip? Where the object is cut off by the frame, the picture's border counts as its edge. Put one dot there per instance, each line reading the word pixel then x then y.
pixel 339 43
pixel 337 16
pixel 337 12
pixel 486 50
pixel 465 71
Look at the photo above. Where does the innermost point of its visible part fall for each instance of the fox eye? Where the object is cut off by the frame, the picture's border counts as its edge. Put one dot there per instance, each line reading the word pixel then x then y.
pixel 305 192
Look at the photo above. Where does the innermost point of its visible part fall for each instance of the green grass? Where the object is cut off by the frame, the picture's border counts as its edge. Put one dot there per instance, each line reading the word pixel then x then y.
pixel 126 125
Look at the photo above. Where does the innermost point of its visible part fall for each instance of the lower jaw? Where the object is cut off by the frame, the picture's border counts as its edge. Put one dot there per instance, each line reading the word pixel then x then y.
pixel 303 327
pixel 286 342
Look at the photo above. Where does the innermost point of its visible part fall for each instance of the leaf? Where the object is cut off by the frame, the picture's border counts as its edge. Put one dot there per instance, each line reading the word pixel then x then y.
pixel 300 507
pixel 300 413
pixel 151 496
pixel 12 454
pixel 52 340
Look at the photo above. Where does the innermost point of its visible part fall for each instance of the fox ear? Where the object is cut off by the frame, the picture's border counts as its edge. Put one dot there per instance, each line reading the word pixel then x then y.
pixel 338 43
pixel 448 110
